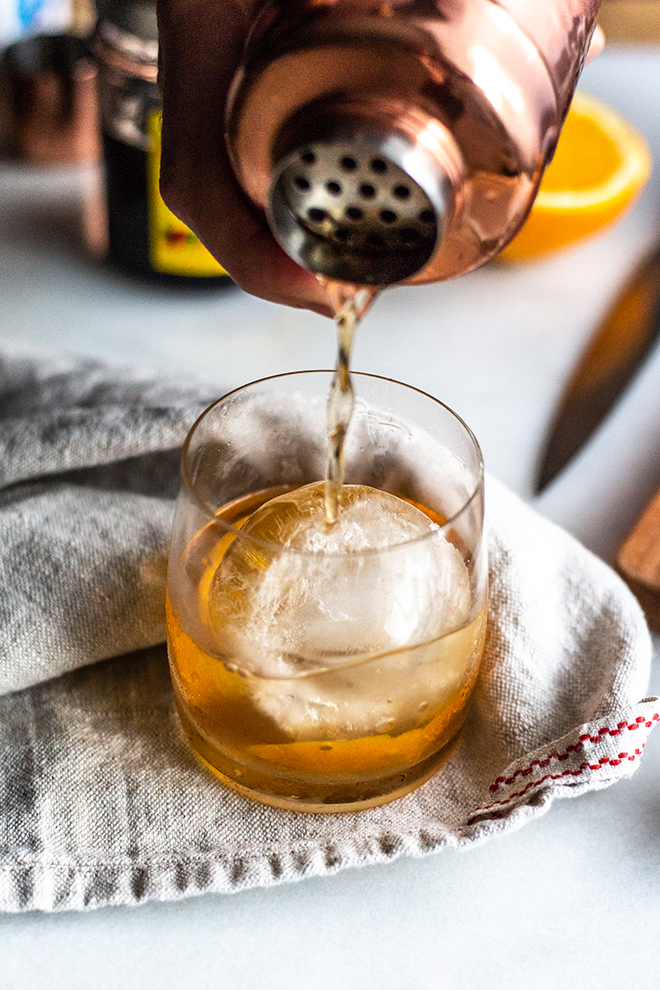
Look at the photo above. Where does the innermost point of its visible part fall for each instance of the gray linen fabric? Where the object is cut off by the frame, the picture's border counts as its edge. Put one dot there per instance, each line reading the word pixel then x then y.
pixel 102 802
pixel 89 462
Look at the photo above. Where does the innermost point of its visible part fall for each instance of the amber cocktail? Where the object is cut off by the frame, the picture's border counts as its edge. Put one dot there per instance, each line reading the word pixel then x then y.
pixel 326 667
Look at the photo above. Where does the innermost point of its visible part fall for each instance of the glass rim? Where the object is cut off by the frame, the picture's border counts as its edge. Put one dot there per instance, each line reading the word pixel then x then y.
pixel 369 551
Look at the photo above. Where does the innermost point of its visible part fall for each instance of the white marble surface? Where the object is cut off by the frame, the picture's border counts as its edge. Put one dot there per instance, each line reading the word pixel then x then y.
pixel 572 899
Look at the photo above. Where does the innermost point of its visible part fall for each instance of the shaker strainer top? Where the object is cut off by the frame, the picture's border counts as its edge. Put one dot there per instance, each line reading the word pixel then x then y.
pixel 364 207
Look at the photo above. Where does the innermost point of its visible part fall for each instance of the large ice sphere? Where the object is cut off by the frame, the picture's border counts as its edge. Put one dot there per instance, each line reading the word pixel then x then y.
pixel 293 594
pixel 347 630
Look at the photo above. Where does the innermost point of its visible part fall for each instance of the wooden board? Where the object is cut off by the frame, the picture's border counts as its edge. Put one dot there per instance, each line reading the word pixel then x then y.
pixel 638 561
pixel 631 21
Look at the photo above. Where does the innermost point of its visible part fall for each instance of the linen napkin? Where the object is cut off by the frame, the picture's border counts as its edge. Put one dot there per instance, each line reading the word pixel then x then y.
pixel 102 802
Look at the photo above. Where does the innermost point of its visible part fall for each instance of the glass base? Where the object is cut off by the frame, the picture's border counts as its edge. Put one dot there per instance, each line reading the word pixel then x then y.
pixel 314 795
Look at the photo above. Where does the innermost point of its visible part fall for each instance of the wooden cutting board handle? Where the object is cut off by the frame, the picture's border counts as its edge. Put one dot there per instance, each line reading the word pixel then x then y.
pixel 638 561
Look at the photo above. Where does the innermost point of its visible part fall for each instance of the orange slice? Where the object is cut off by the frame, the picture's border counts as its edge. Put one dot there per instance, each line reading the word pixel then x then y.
pixel 600 165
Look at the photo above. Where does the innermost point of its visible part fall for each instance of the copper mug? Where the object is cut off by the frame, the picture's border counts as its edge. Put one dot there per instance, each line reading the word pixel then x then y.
pixel 51 86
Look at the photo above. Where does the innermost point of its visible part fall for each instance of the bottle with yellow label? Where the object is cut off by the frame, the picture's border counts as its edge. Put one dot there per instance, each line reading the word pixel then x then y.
pixel 144 236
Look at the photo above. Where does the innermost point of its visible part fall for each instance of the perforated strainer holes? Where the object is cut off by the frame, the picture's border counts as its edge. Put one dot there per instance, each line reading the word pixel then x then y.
pixel 358 200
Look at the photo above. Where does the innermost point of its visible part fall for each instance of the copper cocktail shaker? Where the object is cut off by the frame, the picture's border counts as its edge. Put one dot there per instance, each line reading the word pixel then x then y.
pixel 402 140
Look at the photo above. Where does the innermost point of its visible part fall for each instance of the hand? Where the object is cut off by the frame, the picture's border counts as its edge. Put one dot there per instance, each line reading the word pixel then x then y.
pixel 597 43
pixel 200 46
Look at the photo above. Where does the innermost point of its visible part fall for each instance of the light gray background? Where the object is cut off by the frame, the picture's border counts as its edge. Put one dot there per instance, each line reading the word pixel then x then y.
pixel 572 899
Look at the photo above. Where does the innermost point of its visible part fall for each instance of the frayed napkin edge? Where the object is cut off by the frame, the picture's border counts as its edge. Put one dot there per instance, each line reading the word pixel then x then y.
pixel 84 885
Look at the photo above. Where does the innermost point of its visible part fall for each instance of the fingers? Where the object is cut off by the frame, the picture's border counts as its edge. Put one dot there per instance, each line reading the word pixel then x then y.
pixel 597 43
pixel 201 45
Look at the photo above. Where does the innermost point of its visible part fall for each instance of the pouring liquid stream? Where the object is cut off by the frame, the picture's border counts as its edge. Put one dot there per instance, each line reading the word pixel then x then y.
pixel 349 304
